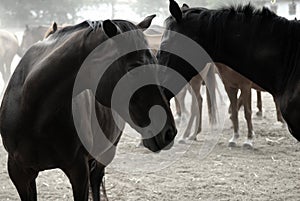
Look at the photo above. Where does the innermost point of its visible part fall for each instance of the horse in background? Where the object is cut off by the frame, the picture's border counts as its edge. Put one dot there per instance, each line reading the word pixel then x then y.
pixel 233 82
pixel 9 46
pixel 33 34
pixel 153 36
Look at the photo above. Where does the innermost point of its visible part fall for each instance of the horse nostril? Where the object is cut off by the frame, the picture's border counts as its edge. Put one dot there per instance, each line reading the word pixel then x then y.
pixel 170 135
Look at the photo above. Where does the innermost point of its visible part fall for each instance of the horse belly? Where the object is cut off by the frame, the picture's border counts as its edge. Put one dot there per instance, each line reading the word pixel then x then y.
pixel 42 154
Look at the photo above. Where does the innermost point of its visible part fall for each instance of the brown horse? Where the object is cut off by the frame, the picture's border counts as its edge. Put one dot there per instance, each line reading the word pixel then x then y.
pixel 182 111
pixel 8 49
pixel 233 82
pixel 196 107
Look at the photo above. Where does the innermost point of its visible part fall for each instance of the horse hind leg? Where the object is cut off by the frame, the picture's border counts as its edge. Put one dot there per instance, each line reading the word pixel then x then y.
pixel 192 118
pixel 246 94
pixel 188 129
pixel 24 180
pixel 196 106
pixel 196 113
pixel 259 103
pixel 181 111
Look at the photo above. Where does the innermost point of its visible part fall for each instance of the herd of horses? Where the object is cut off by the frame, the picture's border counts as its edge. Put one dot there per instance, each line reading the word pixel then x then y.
pixel 251 48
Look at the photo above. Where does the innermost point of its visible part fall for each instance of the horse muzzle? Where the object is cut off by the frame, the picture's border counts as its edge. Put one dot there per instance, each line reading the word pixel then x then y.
pixel 162 141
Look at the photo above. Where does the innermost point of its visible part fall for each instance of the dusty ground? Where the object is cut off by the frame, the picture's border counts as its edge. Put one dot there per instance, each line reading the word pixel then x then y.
pixel 271 171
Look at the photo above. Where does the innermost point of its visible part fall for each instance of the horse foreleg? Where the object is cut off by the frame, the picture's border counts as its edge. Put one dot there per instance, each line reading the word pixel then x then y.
pixel 188 129
pixel 278 111
pixel 246 94
pixel 24 180
pixel 78 174
pixel 181 110
pixel 232 94
pixel 96 176
pixel 196 83
pixel 209 106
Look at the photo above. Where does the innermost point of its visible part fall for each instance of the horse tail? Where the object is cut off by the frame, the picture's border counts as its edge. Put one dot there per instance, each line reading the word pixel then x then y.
pixel 211 86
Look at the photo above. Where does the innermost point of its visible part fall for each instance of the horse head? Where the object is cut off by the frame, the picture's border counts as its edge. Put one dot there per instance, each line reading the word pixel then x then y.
pixel 139 69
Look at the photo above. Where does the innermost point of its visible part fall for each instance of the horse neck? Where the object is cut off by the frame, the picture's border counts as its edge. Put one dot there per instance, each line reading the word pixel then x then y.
pixel 60 66
pixel 262 53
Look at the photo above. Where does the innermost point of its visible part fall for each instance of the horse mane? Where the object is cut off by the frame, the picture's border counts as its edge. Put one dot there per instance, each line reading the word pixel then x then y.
pixel 71 29
pixel 249 11
pixel 122 24
pixel 125 25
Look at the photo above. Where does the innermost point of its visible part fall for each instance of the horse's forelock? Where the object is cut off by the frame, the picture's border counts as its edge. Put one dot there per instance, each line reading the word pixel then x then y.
pixel 126 26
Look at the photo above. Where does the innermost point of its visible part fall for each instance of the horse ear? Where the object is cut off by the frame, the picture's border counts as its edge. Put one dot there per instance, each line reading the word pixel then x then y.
pixel 175 10
pixel 110 28
pixel 145 24
pixel 54 26
pixel 184 6
pixel 52 29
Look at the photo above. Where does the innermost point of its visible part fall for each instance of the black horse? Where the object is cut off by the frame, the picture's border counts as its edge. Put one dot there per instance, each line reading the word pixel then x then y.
pixel 37 122
pixel 254 42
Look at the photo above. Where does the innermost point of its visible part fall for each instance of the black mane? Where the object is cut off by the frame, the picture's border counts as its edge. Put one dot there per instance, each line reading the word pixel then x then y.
pixel 125 25
pixel 122 24
pixel 248 11
pixel 71 29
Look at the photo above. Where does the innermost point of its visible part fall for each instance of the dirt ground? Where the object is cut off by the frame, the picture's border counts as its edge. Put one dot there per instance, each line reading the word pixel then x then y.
pixel 270 171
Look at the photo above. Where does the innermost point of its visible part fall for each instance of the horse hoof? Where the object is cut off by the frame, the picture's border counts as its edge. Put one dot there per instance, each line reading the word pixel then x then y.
pixel 248 145
pixel 140 144
pixel 259 114
pixel 181 141
pixel 232 144
pixel 193 138
pixel 177 120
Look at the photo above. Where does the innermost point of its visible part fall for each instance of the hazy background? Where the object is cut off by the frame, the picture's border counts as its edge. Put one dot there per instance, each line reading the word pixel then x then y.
pixel 18 13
